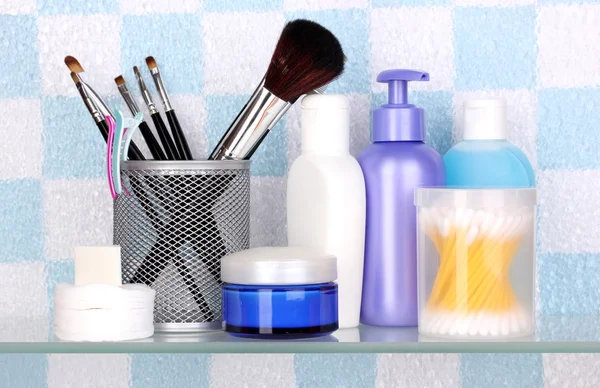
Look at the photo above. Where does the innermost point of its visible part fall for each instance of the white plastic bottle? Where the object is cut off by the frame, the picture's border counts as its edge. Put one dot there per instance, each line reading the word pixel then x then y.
pixel 326 197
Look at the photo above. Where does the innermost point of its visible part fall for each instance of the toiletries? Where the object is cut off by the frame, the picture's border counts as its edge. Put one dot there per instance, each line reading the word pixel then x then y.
pixel 279 292
pixel 485 158
pixel 476 262
pixel 98 307
pixel 326 197
pixel 395 164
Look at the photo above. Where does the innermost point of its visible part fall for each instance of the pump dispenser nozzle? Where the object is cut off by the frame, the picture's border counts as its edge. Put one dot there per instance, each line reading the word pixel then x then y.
pixel 398 120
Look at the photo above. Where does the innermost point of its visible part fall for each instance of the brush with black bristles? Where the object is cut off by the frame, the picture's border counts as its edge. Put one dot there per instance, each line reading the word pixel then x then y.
pixel 153 145
pixel 180 141
pixel 307 57
pixel 159 124
pixel 96 105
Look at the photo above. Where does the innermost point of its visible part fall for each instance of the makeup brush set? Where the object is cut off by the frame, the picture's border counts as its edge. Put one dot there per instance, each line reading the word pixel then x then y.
pixel 175 216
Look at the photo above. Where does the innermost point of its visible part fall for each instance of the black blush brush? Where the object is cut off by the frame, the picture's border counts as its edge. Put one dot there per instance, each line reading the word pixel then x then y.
pixel 180 141
pixel 153 145
pixel 307 57
pixel 163 133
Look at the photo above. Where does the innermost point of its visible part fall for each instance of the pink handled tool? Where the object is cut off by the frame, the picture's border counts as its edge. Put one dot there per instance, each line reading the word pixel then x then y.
pixel 109 149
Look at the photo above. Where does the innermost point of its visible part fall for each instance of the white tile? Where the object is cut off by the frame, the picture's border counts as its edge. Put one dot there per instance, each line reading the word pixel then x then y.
pixel 17 7
pixel 418 370
pixel 571 370
pixel 191 113
pixel 493 3
pixel 23 302
pixel 268 225
pixel 76 212
pixel 92 39
pixel 159 6
pixel 569 211
pixel 521 112
pixel 413 38
pixel 88 370
pixel 293 5
pixel 568 45
pixel 21 150
pixel 238 49
pixel 248 370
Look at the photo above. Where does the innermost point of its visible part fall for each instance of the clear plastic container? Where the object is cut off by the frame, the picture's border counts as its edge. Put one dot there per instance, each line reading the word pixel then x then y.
pixel 476 252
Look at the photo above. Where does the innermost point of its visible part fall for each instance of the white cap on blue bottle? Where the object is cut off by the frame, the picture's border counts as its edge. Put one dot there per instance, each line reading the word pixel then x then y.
pixel 485 119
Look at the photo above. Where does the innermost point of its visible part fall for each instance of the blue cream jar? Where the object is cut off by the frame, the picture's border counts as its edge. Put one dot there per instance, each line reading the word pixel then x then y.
pixel 279 292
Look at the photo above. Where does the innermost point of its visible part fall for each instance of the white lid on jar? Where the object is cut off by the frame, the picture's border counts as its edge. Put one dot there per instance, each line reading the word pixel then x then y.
pixel 277 266
pixel 475 198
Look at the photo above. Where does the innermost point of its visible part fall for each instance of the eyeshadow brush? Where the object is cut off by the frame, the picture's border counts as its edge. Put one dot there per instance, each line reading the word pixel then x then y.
pixel 159 124
pixel 134 152
pixel 180 141
pixel 153 145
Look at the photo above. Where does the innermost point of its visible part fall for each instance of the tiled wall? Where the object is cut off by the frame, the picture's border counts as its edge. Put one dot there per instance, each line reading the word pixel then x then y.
pixel 542 55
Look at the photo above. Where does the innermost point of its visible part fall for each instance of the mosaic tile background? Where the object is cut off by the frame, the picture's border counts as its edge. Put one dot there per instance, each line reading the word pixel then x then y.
pixel 542 55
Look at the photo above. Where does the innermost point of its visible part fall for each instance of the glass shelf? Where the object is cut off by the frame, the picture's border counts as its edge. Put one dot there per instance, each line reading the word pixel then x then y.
pixel 553 335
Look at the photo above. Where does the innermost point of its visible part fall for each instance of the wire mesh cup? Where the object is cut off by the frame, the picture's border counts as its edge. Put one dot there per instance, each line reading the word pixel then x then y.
pixel 174 222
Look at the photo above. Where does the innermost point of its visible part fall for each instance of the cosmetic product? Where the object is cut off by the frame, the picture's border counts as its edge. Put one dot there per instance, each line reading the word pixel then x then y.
pixel 159 124
pixel 396 163
pixel 125 128
pixel 476 262
pixel 98 264
pixel 485 158
pixel 95 103
pixel 279 292
pixel 326 197
pixel 110 143
pixel 180 141
pixel 153 145
pixel 307 57
pixel 97 307
pixel 98 115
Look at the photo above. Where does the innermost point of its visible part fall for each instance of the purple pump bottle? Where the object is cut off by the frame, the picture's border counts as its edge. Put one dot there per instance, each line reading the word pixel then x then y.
pixel 395 164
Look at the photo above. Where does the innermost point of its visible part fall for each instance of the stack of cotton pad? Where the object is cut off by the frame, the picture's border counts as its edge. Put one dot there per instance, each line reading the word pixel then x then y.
pixel 98 307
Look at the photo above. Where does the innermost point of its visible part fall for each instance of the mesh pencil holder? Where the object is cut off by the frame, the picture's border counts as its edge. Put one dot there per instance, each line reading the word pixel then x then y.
pixel 476 253
pixel 174 222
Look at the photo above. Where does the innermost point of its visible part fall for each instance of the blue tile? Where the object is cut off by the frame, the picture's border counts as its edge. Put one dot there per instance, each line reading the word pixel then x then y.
pixel 491 53
pixel 20 75
pixel 77 7
pixel 170 370
pixel 21 236
pixel 438 115
pixel 569 284
pixel 544 2
pixel 175 44
pixel 568 123
pixel 335 370
pixel 242 5
pixel 23 370
pixel 271 158
pixel 408 3
pixel 501 370
pixel 73 146
pixel 351 27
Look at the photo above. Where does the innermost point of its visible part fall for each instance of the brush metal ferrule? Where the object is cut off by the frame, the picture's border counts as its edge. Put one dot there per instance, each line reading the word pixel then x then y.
pixel 131 104
pixel 259 115
pixel 89 104
pixel 146 94
pixel 98 101
pixel 160 87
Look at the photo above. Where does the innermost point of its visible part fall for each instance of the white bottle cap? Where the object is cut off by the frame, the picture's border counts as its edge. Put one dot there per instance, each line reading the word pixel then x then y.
pixel 485 119
pixel 326 124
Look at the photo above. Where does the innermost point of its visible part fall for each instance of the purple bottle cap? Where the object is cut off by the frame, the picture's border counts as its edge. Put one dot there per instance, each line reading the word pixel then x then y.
pixel 398 120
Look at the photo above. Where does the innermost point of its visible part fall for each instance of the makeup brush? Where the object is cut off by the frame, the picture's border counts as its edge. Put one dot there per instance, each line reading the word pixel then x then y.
pixel 153 145
pixel 159 124
pixel 180 141
pixel 134 152
pixel 307 57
